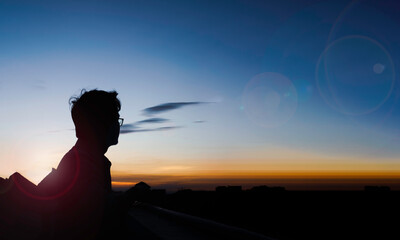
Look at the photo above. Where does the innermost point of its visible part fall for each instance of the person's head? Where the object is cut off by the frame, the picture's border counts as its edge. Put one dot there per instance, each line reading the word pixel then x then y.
pixel 96 116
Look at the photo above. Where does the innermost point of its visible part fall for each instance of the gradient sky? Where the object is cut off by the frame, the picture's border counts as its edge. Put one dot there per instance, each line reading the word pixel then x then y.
pixel 278 89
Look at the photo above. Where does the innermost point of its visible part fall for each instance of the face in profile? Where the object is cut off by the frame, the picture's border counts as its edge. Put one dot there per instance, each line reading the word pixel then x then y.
pixel 113 132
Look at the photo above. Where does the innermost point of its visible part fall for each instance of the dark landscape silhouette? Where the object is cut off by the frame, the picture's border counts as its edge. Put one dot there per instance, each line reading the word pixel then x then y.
pixel 273 211
pixel 282 214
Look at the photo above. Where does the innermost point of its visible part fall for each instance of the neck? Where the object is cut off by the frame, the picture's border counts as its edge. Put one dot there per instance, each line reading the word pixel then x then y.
pixel 93 147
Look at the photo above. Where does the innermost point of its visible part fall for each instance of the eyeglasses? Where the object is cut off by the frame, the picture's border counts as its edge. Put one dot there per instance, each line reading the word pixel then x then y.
pixel 120 121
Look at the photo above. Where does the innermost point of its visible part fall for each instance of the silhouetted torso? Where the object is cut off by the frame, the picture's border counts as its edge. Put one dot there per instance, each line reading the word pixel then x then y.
pixel 78 192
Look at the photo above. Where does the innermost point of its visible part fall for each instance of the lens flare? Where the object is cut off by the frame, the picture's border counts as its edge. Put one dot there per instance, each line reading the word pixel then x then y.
pixel 270 99
pixel 355 75
pixel 30 191
pixel 378 68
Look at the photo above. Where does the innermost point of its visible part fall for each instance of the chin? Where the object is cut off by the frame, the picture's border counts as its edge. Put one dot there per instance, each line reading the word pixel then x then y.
pixel 112 143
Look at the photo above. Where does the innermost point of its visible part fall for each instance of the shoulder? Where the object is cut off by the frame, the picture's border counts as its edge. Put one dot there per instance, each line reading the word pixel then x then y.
pixel 64 173
pixel 70 161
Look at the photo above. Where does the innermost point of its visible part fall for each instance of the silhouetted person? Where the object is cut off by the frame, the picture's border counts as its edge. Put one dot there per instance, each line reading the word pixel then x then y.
pixel 75 201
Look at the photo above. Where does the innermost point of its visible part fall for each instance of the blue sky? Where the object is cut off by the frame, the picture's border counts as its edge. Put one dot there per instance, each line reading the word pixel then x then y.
pixel 314 83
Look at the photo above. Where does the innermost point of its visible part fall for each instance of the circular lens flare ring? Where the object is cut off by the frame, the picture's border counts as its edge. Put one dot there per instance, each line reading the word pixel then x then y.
pixel 336 86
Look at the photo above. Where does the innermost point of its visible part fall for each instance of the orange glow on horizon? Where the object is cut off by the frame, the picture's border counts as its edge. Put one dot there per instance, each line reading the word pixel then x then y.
pixel 292 180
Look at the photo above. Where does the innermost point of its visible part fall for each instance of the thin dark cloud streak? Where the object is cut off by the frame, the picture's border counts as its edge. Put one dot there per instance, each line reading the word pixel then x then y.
pixel 61 130
pixel 199 121
pixel 164 107
pixel 125 131
pixel 38 85
pixel 168 107
pixel 153 120
pixel 128 126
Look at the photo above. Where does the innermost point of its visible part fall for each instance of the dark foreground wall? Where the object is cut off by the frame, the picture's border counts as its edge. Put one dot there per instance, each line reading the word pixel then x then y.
pixel 297 215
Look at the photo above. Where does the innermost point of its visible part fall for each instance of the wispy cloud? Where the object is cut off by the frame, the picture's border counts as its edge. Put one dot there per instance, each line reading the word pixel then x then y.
pixel 153 120
pixel 134 127
pixel 164 107
pixel 62 130
pixel 129 125
pixel 199 121
pixel 168 107
pixel 125 131
pixel 39 85
pixel 127 128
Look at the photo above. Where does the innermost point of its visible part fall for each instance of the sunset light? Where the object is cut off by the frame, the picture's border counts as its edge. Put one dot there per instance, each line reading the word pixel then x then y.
pixel 307 93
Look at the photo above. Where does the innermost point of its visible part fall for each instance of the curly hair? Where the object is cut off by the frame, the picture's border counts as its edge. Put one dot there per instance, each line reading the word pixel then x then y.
pixel 94 107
